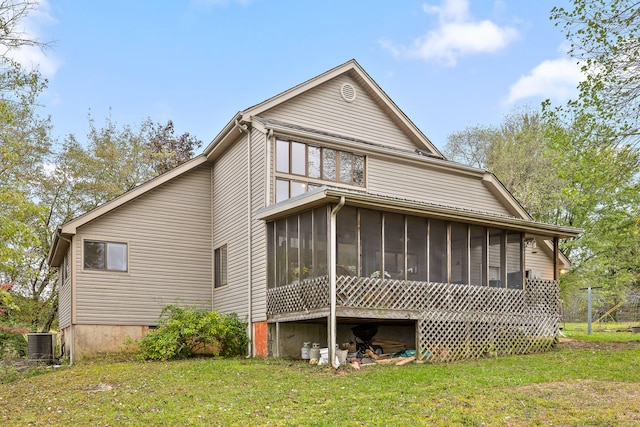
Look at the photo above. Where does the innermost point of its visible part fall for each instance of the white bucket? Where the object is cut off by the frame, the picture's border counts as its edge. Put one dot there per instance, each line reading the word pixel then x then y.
pixel 324 357
pixel 341 355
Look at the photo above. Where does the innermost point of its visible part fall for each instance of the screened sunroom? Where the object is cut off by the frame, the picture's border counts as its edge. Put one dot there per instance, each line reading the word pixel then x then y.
pixel 341 256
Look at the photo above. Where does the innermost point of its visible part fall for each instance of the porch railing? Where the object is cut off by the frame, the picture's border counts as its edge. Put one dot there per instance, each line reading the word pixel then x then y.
pixel 454 321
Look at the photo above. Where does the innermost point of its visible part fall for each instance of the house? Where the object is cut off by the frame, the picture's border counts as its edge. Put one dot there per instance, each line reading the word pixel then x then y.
pixel 313 212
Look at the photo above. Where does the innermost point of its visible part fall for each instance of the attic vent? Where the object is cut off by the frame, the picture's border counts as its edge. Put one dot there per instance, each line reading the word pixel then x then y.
pixel 348 92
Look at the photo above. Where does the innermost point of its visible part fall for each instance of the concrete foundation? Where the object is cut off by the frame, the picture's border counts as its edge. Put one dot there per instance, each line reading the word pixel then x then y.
pixel 89 340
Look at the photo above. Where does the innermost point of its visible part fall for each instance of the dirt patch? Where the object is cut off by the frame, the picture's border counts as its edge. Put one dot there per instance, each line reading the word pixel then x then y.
pixel 609 345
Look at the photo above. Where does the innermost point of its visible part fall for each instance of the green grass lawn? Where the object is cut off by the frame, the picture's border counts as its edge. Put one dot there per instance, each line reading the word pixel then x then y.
pixel 580 383
pixel 607 331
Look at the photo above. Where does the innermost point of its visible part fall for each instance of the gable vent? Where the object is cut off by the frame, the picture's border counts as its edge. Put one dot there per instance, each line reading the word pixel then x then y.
pixel 348 92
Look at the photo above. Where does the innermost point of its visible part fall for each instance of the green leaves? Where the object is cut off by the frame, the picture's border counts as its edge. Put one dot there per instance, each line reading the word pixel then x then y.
pixel 184 331
pixel 572 174
pixel 605 38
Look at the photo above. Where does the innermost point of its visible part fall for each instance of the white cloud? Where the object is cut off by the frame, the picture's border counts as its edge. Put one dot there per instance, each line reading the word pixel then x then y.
pixel 456 35
pixel 32 57
pixel 554 79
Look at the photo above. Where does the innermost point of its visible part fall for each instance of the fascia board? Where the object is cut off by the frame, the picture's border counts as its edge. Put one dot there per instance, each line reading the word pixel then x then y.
pixel 326 195
pixel 222 135
pixel 257 109
pixel 365 80
pixel 58 249
pixel 500 191
pixel 406 121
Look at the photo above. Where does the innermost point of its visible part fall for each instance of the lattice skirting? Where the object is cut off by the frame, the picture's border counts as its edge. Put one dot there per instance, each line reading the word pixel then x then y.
pixel 470 321
pixel 455 321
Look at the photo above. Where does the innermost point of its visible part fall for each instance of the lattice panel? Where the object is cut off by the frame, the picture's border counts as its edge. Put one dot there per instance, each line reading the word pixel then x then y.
pixel 299 297
pixel 378 293
pixel 456 321
pixel 462 321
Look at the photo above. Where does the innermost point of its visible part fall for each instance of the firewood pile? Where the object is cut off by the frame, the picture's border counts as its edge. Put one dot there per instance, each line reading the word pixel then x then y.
pixel 387 359
pixel 380 351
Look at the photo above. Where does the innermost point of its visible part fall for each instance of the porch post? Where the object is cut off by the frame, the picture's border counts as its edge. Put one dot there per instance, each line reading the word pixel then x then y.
pixel 277 346
pixel 332 281
pixel 555 258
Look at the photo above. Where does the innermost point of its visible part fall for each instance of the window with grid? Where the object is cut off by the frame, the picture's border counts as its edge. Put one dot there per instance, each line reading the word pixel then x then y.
pixel 301 167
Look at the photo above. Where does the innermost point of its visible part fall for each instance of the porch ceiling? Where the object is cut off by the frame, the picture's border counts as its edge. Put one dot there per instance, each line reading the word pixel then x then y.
pixel 325 195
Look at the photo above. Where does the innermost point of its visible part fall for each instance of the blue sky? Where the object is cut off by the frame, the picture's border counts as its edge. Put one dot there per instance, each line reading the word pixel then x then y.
pixel 448 64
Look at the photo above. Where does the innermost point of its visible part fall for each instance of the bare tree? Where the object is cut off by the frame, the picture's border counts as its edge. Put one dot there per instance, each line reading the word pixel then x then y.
pixel 12 31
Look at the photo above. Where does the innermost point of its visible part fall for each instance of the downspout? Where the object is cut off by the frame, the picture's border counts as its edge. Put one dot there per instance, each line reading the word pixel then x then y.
pixel 267 193
pixel 250 353
pixel 332 282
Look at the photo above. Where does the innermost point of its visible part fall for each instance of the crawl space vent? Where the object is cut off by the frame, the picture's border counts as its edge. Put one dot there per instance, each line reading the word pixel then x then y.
pixel 348 92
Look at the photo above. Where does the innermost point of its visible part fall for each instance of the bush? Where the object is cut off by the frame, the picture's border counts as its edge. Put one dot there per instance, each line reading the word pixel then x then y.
pixel 12 345
pixel 183 331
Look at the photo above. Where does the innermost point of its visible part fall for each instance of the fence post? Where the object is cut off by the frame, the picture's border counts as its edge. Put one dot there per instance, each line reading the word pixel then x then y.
pixel 588 289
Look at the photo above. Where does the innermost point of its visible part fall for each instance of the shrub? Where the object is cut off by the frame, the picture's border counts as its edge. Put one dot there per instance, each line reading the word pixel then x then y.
pixel 183 331
pixel 12 345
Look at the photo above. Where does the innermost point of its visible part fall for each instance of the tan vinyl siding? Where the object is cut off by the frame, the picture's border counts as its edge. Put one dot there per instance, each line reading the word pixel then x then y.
pixel 230 226
pixel 64 293
pixel 540 262
pixel 429 184
pixel 323 108
pixel 168 233
pixel 258 236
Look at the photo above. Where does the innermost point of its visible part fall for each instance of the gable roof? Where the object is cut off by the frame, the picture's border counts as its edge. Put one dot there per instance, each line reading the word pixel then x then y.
pixel 426 153
pixel 355 71
pixel 68 229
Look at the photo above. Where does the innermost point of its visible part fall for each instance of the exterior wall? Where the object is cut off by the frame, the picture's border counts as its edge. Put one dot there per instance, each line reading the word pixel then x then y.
pixel 89 340
pixel 432 185
pixel 64 293
pixel 230 210
pixel 323 108
pixel 230 201
pixel 541 262
pixel 168 232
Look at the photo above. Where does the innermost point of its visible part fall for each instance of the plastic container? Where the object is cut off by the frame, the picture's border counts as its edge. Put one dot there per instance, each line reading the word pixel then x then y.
pixel 324 356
